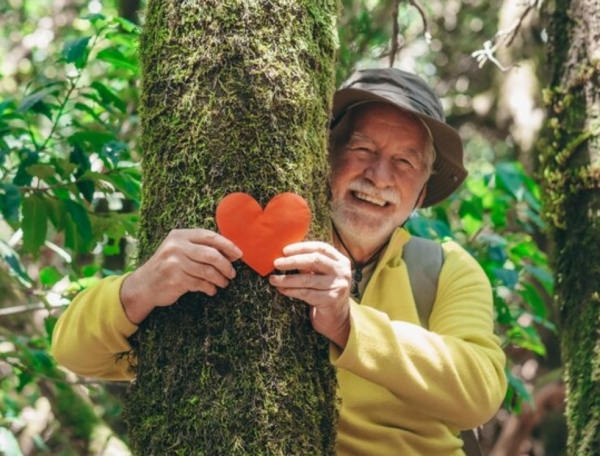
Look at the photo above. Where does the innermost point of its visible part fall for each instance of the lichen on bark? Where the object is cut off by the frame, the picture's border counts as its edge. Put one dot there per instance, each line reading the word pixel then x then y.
pixel 570 160
pixel 235 97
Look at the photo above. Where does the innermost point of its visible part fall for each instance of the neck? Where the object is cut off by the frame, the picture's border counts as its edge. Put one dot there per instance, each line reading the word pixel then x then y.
pixel 360 251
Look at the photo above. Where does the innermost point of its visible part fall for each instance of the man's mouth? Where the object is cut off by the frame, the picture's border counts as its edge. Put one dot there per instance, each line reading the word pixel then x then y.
pixel 370 199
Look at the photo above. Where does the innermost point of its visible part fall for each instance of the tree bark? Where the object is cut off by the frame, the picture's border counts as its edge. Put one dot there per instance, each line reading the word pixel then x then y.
pixel 571 171
pixel 236 97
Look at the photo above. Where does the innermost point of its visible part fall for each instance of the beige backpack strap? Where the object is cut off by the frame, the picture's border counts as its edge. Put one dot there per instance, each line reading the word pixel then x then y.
pixel 424 259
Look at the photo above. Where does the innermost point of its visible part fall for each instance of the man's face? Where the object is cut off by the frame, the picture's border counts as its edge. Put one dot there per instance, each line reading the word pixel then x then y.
pixel 377 178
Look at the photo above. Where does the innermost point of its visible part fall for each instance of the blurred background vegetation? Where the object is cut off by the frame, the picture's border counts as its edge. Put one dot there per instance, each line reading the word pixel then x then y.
pixel 70 189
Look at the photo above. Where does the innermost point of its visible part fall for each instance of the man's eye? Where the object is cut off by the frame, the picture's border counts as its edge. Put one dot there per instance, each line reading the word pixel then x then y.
pixel 404 162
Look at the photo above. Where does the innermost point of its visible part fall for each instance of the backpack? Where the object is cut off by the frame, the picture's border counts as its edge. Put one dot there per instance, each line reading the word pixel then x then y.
pixel 424 259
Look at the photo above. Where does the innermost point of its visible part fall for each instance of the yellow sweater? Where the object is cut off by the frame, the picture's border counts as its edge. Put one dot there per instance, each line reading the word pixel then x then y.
pixel 404 390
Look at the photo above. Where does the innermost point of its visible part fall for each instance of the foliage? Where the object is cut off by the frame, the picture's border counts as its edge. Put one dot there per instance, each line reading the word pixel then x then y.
pixel 70 185
pixel 68 167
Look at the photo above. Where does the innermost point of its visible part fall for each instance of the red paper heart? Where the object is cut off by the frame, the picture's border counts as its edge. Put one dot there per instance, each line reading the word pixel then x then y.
pixel 262 235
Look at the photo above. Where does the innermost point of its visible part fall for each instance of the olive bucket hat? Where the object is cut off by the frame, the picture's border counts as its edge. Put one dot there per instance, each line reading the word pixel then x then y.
pixel 410 93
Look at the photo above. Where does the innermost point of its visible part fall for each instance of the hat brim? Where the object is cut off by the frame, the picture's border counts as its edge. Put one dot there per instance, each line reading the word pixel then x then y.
pixel 448 170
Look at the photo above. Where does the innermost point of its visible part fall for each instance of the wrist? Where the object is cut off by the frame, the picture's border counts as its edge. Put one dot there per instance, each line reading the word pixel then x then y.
pixel 135 304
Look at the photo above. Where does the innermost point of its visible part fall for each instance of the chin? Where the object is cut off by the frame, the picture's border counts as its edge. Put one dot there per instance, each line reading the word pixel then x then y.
pixel 362 228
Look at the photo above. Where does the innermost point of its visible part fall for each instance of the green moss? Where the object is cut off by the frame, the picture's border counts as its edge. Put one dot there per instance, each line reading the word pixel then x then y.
pixel 570 159
pixel 236 97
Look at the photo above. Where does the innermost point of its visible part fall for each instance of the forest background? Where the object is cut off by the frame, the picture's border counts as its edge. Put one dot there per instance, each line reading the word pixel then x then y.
pixel 70 191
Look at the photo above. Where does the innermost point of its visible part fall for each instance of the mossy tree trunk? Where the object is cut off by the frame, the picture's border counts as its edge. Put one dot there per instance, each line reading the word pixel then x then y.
pixel 236 97
pixel 571 173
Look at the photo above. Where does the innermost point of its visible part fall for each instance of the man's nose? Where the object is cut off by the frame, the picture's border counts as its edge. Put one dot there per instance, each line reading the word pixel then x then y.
pixel 380 173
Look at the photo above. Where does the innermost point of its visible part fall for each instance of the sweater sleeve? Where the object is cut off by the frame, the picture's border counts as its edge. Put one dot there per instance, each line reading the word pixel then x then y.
pixel 453 372
pixel 90 337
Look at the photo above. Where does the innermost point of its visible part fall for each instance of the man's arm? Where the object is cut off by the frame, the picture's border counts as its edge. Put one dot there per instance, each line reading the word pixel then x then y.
pixel 93 332
pixel 453 372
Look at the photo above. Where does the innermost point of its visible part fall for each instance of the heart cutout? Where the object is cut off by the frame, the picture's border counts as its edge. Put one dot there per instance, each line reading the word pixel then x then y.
pixel 262 235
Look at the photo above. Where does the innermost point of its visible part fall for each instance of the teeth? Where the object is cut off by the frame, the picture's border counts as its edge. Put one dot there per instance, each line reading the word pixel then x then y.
pixel 370 199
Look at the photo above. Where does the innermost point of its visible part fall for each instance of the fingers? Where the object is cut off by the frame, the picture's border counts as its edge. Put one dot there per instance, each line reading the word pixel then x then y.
pixel 316 257
pixel 210 238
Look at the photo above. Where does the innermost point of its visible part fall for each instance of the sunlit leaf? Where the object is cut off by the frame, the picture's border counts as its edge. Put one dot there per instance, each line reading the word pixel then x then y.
pixel 471 214
pixel 127 25
pixel 117 59
pixel 75 51
pixel 41 171
pixel 49 275
pixel 13 261
pixel 108 96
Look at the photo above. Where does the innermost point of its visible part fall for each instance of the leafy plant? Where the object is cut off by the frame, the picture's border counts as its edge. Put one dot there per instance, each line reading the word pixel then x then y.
pixel 69 189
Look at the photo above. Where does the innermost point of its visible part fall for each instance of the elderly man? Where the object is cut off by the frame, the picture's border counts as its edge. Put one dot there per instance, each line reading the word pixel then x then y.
pixel 405 389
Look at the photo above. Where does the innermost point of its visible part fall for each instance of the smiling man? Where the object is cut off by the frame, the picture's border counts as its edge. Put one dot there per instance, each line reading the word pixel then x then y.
pixel 405 389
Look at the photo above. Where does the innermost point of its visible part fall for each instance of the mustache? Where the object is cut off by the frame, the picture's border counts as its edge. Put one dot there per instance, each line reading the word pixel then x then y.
pixel 364 186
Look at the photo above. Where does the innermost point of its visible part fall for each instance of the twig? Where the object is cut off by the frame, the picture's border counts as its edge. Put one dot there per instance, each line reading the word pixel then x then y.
pixel 25 308
pixel 396 32
pixel 504 37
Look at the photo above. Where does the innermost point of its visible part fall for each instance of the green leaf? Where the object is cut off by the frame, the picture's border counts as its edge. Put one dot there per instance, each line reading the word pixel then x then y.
pixel 526 337
pixel 126 184
pixel 87 109
pixel 544 277
pixel 111 152
pixel 57 213
pixel 34 98
pixel 49 324
pixel 11 258
pixel 10 202
pixel 117 59
pixel 108 96
pixel 94 18
pixel 534 299
pixel 28 157
pixel 510 178
pixel 89 270
pixel 85 186
pixel 83 228
pixel 95 138
pixel 128 26
pixel 34 223
pixel 508 277
pixel 503 313
pixel 44 109
pixel 75 51
pixel 41 171
pixel 471 215
pixel 49 275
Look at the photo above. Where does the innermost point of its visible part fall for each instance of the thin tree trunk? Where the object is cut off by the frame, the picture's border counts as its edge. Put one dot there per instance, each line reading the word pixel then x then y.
pixel 571 169
pixel 236 97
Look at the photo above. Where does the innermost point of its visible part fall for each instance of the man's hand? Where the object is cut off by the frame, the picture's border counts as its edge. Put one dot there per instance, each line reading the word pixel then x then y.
pixel 187 260
pixel 323 282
